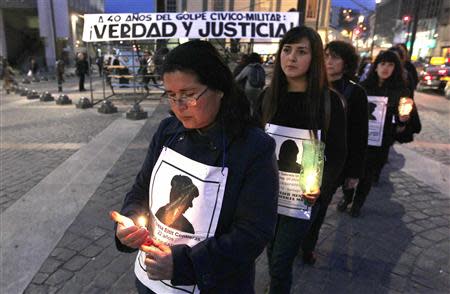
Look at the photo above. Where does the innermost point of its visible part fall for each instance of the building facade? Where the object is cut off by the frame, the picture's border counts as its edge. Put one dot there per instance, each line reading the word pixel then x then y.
pixel 395 19
pixel 43 29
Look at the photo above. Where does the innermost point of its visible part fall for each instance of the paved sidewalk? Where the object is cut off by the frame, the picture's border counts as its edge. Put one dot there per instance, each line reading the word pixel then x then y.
pixel 400 244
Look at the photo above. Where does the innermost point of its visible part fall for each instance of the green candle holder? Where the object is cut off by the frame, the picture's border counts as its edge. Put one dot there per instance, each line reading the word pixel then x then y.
pixel 312 166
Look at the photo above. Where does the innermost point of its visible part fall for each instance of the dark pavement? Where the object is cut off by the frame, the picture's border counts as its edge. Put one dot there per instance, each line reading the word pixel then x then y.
pixel 400 244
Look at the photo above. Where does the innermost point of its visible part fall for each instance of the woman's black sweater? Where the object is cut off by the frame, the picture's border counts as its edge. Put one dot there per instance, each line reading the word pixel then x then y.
pixel 357 126
pixel 292 111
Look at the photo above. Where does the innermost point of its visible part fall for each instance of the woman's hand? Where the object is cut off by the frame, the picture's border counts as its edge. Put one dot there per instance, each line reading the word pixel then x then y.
pixel 127 232
pixel 311 197
pixel 403 118
pixel 351 183
pixel 158 261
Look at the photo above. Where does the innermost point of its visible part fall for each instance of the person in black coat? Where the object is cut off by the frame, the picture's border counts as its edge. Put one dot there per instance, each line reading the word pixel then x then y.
pixel 82 68
pixel 298 98
pixel 341 61
pixel 385 79
pixel 211 125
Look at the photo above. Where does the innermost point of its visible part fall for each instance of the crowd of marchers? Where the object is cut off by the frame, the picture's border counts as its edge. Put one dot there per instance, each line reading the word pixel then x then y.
pixel 212 189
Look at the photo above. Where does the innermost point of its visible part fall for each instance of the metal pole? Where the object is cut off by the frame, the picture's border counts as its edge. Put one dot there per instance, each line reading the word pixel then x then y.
pixel 414 28
pixel 52 11
pixel 90 73
pixel 319 3
pixel 374 32
pixel 301 7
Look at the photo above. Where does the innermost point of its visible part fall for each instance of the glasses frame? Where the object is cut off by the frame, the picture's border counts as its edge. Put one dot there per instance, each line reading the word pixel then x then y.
pixel 184 100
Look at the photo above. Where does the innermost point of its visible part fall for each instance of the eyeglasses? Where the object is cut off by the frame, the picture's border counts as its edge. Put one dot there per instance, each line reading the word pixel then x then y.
pixel 184 99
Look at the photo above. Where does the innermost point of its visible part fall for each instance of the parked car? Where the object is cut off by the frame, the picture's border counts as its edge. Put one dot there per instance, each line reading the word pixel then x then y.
pixel 434 77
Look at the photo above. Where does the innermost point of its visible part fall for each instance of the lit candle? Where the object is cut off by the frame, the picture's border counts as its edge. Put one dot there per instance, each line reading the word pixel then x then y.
pixel 405 106
pixel 310 182
pixel 142 221
pixel 312 166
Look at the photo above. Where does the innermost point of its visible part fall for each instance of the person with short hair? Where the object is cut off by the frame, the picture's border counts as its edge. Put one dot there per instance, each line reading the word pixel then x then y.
pixel 212 142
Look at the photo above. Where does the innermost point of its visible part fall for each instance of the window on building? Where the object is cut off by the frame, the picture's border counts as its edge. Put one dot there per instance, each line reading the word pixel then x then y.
pixel 219 5
pixel 171 5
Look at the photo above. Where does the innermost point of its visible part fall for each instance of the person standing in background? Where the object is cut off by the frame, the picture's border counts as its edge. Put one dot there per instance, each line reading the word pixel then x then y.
pixel 82 68
pixel 60 66
pixel 254 78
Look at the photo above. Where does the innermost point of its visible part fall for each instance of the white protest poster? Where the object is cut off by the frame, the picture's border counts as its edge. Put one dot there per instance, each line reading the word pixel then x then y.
pixel 211 24
pixel 289 151
pixel 185 199
pixel 377 115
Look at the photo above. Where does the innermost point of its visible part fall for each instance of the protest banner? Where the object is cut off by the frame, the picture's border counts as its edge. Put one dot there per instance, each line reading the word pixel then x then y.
pixel 212 24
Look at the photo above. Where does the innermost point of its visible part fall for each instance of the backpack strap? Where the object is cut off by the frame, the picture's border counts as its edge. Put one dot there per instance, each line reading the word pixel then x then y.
pixel 349 90
pixel 327 115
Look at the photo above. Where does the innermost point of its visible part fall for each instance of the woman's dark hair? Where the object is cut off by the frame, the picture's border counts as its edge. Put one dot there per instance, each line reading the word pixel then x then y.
pixel 347 52
pixel 316 76
pixel 396 79
pixel 254 58
pixel 399 51
pixel 202 59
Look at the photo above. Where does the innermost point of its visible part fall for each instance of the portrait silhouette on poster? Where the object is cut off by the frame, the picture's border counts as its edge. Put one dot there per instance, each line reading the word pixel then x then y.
pixel 287 158
pixel 372 107
pixel 182 193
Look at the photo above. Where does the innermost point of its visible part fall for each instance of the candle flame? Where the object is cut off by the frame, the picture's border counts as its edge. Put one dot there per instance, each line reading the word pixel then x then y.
pixel 405 106
pixel 142 221
pixel 310 181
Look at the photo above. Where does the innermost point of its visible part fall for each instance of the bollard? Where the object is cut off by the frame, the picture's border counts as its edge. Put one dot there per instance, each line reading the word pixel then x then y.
pixel 107 107
pixel 63 100
pixel 46 97
pixel 136 112
pixel 32 95
pixel 84 103
pixel 23 91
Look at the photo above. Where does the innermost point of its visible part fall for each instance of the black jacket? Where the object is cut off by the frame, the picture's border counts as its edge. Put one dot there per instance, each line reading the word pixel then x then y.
pixel 357 126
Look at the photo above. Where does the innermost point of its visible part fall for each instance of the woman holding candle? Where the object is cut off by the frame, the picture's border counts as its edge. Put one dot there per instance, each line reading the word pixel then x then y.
pixel 212 144
pixel 298 101
pixel 341 61
pixel 385 79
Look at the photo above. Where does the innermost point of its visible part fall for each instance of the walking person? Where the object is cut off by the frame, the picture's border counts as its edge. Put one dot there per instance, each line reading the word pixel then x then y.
pixel 385 84
pixel 254 77
pixel 60 67
pixel 341 61
pixel 224 170
pixel 299 102
pixel 8 76
pixel 100 63
pixel 33 69
pixel 82 68
pixel 147 69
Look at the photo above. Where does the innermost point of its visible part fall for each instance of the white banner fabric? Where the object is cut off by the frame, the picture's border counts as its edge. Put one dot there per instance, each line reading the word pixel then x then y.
pixel 211 24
